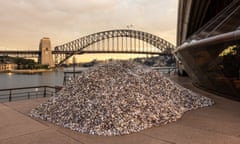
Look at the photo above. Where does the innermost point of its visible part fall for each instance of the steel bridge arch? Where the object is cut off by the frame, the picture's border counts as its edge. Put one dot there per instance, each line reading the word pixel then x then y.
pixel 77 46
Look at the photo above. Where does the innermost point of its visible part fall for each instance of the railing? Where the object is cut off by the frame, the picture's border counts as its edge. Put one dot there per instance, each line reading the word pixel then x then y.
pixel 68 76
pixel 14 94
pixel 166 69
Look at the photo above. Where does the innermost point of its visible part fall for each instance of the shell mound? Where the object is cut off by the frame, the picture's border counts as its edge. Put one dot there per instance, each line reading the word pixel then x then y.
pixel 119 98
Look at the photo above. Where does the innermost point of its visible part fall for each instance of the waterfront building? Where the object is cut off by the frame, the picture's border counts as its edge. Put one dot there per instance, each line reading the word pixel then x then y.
pixel 7 66
pixel 208 39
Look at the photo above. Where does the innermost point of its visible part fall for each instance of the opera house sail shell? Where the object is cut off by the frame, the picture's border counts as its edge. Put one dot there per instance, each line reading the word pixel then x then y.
pixel 208 39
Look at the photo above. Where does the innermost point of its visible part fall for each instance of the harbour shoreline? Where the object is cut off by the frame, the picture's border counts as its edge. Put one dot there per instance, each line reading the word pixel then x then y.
pixel 27 71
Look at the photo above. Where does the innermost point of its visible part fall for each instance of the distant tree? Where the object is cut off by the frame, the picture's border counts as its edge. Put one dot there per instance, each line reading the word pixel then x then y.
pixel 23 63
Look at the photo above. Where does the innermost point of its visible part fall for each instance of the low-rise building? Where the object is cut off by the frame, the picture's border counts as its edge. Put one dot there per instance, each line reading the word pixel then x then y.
pixel 7 66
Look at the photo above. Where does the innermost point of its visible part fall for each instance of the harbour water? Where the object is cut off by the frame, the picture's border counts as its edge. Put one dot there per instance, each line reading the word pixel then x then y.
pixel 52 78
pixel 32 82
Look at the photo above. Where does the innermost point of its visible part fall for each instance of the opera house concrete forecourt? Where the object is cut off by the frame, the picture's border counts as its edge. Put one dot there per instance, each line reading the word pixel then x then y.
pixel 208 40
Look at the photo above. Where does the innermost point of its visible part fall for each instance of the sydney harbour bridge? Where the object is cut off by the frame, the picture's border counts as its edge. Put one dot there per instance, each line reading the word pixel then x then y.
pixel 113 41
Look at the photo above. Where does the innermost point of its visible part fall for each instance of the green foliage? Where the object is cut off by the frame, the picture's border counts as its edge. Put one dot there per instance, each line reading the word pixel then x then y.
pixel 4 59
pixel 39 66
pixel 23 63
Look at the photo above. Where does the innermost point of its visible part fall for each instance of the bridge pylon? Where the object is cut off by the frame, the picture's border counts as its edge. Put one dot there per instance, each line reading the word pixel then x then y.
pixel 46 57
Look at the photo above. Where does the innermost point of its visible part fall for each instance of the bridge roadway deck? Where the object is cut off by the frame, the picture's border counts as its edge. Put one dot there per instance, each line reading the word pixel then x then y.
pixel 219 124
pixel 17 52
pixel 35 52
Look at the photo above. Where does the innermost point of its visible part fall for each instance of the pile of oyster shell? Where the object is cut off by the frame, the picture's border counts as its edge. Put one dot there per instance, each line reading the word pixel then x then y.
pixel 119 98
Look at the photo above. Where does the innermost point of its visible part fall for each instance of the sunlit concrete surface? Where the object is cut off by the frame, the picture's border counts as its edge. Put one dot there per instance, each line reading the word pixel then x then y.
pixel 218 124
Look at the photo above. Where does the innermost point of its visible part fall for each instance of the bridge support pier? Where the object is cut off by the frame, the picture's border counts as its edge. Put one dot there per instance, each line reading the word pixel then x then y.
pixel 46 57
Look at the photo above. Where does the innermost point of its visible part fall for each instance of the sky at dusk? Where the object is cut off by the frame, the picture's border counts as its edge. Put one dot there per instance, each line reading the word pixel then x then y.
pixel 24 22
